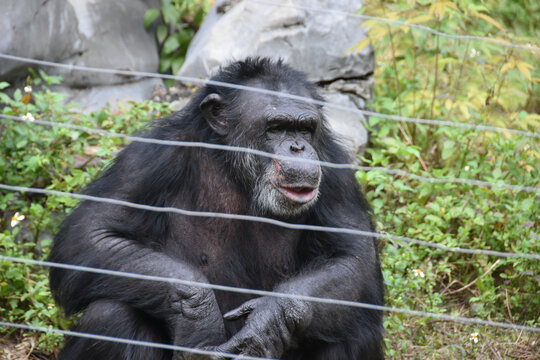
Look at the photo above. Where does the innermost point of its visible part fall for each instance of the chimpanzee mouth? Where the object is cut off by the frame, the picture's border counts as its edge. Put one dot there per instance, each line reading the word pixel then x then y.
pixel 298 194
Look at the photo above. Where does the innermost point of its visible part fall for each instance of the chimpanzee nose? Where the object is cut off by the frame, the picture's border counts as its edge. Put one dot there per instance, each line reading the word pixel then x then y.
pixel 295 147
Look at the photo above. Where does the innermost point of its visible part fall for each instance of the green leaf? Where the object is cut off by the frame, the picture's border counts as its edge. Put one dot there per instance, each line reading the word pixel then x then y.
pixel 17 95
pixel 50 79
pixel 149 17
pixel 164 63
pixel 197 20
pixel 101 116
pixel 5 99
pixel 177 64
pixel 527 204
pixel 21 143
pixel 161 33
pixel 185 36
pixel 4 84
pixel 435 219
pixel 170 45
pixel 448 149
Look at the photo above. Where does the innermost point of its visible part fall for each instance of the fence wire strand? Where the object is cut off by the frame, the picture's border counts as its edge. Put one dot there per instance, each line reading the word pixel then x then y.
pixel 129 341
pixel 206 81
pixel 188 79
pixel 438 316
pixel 204 145
pixel 528 47
pixel 270 221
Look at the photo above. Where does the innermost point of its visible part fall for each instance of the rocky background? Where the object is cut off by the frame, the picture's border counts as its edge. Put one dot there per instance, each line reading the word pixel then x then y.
pixel 110 34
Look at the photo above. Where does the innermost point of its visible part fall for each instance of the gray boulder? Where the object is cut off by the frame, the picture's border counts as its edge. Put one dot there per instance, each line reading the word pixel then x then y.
pixel 97 33
pixel 312 41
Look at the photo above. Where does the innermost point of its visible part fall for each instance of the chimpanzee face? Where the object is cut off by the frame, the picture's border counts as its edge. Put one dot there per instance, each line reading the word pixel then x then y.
pixel 284 187
pixel 288 128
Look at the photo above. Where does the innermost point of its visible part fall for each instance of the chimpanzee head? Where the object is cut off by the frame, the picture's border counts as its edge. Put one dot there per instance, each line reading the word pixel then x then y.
pixel 275 124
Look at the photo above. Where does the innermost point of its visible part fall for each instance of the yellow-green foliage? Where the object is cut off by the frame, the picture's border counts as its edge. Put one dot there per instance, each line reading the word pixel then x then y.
pixel 421 75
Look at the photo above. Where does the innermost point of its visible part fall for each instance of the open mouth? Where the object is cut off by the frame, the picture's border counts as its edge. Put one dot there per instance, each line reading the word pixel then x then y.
pixel 299 194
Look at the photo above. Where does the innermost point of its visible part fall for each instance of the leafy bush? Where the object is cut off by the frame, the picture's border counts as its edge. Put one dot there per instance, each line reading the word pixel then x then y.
pixel 417 75
pixel 54 158
pixel 178 20
pixel 424 76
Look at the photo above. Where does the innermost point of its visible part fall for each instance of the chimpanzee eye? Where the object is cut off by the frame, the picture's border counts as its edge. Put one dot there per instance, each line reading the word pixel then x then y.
pixel 275 129
pixel 306 130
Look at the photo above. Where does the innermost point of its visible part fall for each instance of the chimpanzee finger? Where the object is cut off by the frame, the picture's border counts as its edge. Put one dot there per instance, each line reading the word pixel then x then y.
pixel 230 347
pixel 241 311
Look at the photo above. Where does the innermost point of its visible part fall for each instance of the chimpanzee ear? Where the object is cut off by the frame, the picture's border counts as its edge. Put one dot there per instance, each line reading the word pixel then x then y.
pixel 210 108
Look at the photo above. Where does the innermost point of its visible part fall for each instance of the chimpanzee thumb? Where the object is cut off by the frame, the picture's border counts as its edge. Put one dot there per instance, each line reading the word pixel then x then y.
pixel 241 311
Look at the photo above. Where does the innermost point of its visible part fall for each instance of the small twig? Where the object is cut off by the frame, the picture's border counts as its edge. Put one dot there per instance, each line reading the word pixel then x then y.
pixel 436 80
pixel 508 306
pixel 443 292
pixel 404 131
pixel 475 280
pixel 457 86
pixel 32 346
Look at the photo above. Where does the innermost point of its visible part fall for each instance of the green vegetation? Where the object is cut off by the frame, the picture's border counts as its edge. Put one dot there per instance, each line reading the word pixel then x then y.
pixel 425 76
pixel 177 21
pixel 53 158
pixel 417 75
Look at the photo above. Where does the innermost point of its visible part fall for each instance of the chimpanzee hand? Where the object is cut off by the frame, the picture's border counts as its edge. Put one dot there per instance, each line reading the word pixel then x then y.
pixel 269 328
pixel 197 320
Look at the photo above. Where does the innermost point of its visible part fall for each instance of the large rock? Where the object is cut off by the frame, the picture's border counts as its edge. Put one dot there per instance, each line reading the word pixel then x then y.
pixel 97 33
pixel 315 42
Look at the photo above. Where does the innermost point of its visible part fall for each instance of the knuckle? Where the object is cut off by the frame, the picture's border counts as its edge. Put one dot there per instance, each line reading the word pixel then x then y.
pixel 296 313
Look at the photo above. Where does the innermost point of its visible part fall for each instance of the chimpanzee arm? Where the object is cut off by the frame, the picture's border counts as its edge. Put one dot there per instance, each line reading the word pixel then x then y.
pixel 188 310
pixel 275 324
pixel 337 266
pixel 353 278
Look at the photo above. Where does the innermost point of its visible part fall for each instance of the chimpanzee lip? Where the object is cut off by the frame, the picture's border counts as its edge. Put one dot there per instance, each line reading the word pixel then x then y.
pixel 298 193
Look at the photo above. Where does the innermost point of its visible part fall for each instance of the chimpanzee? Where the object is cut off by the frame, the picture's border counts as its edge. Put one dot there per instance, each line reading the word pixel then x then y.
pixel 222 251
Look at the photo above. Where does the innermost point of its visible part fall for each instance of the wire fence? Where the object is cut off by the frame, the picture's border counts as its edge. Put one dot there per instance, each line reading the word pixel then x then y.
pixel 271 222
pixel 500 42
pixel 330 301
pixel 214 146
pixel 206 81
pixel 397 172
pixel 129 341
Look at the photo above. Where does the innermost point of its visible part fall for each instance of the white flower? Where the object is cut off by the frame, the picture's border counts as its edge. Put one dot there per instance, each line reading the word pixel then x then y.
pixel 474 337
pixel 466 168
pixel 51 306
pixel 27 88
pixel 418 272
pixel 17 218
pixel 475 53
pixel 29 117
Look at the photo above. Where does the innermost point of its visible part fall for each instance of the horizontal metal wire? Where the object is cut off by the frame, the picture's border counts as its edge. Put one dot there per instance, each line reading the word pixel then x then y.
pixel 365 168
pixel 270 221
pixel 274 156
pixel 128 341
pixel 438 316
pixel 196 80
pixel 528 47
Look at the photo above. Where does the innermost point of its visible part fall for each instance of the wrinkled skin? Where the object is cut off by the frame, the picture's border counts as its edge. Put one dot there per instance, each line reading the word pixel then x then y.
pixel 292 188
pixel 270 326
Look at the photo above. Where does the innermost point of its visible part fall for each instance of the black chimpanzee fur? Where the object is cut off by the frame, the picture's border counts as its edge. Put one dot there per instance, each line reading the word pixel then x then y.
pixel 229 252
